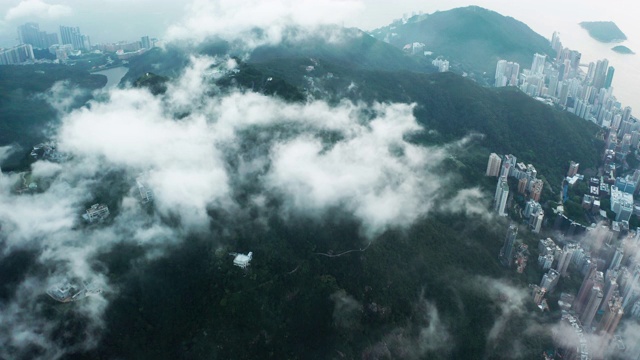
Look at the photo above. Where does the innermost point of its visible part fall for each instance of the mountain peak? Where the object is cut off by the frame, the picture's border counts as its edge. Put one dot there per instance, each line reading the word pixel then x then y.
pixel 472 38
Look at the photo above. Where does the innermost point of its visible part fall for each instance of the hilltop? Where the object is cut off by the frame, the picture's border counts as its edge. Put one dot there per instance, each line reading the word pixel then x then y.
pixel 472 38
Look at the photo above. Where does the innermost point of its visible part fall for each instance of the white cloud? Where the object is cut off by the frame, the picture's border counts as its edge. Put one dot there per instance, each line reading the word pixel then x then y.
pixel 426 334
pixel 6 151
pixel 256 22
pixel 198 148
pixel 373 172
pixel 39 9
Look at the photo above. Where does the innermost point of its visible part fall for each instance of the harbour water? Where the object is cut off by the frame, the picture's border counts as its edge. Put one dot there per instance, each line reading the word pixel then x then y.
pixel 114 75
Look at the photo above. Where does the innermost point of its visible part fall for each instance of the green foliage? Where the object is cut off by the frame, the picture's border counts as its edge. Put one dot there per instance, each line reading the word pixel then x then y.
pixel 511 122
pixel 155 83
pixel 250 77
pixel 196 304
pixel 355 50
pixel 167 62
pixel 24 114
pixel 451 107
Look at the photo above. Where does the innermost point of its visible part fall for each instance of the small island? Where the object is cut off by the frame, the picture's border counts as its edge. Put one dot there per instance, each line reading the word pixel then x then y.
pixel 604 31
pixel 621 49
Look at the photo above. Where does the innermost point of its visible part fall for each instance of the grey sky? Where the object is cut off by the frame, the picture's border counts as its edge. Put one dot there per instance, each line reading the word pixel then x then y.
pixel 114 20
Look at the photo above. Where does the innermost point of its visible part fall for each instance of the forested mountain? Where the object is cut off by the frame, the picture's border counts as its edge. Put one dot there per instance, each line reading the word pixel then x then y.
pixel 473 39
pixel 25 115
pixel 321 284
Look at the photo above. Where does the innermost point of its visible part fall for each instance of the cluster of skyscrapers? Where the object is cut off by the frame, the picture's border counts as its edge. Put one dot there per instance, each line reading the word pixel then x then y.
pixel 588 94
pixel 16 55
pixel 507 166
pixel 70 42
pixel 31 37
pixel 31 34
pixel 610 288
pixel 606 257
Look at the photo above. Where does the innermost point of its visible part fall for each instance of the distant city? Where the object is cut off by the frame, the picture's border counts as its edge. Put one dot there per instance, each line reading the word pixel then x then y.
pixel 71 43
pixel 562 81
pixel 606 259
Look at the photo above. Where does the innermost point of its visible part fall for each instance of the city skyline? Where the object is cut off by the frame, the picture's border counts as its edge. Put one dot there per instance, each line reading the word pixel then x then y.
pixel 365 14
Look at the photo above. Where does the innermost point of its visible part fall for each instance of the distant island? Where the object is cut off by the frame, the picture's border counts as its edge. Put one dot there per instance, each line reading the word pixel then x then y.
pixel 621 49
pixel 604 31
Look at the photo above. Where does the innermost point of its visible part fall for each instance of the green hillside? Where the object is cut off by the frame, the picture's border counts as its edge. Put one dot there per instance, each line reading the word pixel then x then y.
pixel 25 116
pixel 453 107
pixel 194 303
pixel 472 38
pixel 348 48
pixel 352 48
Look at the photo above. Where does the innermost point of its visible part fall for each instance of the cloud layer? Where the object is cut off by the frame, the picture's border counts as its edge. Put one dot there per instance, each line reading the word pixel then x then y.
pixel 197 147
pixel 29 9
pixel 254 23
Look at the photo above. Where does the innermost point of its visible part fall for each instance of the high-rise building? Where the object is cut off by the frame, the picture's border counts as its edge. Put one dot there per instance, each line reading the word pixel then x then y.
pixel 537 67
pixel 550 280
pixel 508 249
pixel 626 184
pixel 612 315
pixel 609 79
pixel 545 261
pixel 553 85
pixel 610 288
pixel 73 36
pixel 493 166
pixel 522 185
pixel 532 207
pixel 501 196
pixel 30 33
pixel 600 74
pixel 145 42
pixel 621 204
pixel 565 259
pixel 617 258
pixel 536 189
pixel 16 55
pixel 548 246
pixel 538 294
pixel 573 168
pixel 626 113
pixel 591 73
pixel 630 283
pixel 508 165
pixel 506 73
pixel 583 294
pixel 535 223
pixel 592 305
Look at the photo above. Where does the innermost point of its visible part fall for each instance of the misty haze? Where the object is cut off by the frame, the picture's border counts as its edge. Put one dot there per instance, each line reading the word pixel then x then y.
pixel 333 179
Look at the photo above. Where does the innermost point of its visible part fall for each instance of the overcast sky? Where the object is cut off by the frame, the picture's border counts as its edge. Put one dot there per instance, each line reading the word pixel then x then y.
pixel 114 20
